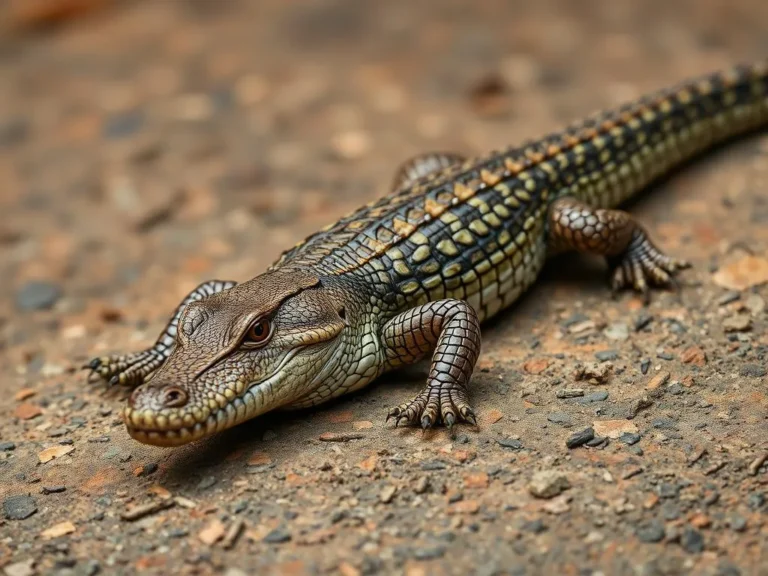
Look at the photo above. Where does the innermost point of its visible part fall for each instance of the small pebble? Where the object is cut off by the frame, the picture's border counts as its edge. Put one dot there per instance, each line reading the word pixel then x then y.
pixel 692 541
pixel 652 532
pixel 53 489
pixel 737 523
pixel 643 320
pixel 665 424
pixel 387 494
pixel 607 355
pixel 429 553
pixel 598 441
pixel 756 500
pixel 561 418
pixel 37 295
pixel 206 483
pixel 752 371
pixel 7 446
pixel 738 323
pixel 433 465
pixel 123 125
pixel 600 396
pixel 148 469
pixel 422 485
pixel 618 332
pixel 19 507
pixel 570 393
pixel 277 536
pixel 629 438
pixel 536 526
pixel 510 443
pixel 580 438
pixel 728 297
pixel 548 484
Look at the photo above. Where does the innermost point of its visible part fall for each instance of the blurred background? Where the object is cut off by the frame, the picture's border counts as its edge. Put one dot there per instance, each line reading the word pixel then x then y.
pixel 148 145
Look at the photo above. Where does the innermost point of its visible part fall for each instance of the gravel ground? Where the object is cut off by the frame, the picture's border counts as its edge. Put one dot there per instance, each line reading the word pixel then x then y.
pixel 147 146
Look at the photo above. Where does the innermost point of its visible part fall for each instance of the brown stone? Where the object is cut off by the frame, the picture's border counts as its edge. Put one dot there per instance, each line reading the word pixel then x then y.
pixel 58 530
pixel 212 533
pixel 369 464
pixel 743 273
pixel 54 452
pixel 694 355
pixel 658 381
pixel 650 501
pixel 346 569
pixel 613 428
pixel 259 459
pixel 464 507
pixel 479 480
pixel 27 411
pixel 24 393
pixel 700 520
pixel 536 365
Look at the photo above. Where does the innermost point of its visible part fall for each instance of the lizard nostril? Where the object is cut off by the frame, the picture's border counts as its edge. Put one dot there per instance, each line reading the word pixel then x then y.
pixel 174 397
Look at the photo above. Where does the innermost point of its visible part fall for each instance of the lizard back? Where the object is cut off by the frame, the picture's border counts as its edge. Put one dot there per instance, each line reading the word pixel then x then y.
pixel 477 230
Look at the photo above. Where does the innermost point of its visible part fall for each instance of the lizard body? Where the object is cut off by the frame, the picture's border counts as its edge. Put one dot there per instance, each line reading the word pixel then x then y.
pixel 415 273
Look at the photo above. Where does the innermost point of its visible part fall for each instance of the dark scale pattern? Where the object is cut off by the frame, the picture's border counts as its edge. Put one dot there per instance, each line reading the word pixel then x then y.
pixel 456 241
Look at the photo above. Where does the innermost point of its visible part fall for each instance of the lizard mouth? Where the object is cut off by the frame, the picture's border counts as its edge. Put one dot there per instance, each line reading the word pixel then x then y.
pixel 161 429
pixel 175 427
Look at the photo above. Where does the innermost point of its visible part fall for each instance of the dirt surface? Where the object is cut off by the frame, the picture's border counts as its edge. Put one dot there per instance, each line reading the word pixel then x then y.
pixel 147 146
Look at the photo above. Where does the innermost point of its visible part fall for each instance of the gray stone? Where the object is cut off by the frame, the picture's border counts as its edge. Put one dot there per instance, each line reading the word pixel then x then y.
pixel 510 443
pixel 607 355
pixel 19 507
pixel 692 541
pixel 752 371
pixel 651 532
pixel 37 295
pixel 277 536
pixel 561 418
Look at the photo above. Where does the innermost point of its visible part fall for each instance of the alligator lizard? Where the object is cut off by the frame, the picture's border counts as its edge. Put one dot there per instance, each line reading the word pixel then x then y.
pixel 414 274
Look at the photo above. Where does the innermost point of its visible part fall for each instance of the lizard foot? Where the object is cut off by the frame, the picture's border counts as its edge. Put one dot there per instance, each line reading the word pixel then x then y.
pixel 643 263
pixel 432 405
pixel 125 370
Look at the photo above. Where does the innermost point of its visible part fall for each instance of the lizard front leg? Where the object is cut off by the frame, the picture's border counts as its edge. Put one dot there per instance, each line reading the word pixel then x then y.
pixel 633 257
pixel 132 369
pixel 450 328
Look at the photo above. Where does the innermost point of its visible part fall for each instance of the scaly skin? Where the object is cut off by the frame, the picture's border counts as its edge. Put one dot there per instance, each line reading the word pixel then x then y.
pixel 415 273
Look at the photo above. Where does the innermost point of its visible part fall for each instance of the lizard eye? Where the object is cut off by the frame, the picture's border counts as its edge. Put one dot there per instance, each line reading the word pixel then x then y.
pixel 259 332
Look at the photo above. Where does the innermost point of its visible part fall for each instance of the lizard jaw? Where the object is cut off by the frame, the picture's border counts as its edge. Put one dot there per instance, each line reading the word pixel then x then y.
pixel 170 428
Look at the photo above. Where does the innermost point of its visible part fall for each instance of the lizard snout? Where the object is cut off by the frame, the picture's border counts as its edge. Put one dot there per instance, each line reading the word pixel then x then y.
pixel 156 398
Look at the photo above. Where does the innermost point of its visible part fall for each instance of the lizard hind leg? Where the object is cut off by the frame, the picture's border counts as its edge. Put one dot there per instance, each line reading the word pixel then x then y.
pixel 635 261
pixel 132 369
pixel 413 169
pixel 450 328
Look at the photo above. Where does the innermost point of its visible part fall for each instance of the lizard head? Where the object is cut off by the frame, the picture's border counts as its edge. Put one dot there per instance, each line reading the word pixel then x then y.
pixel 239 353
